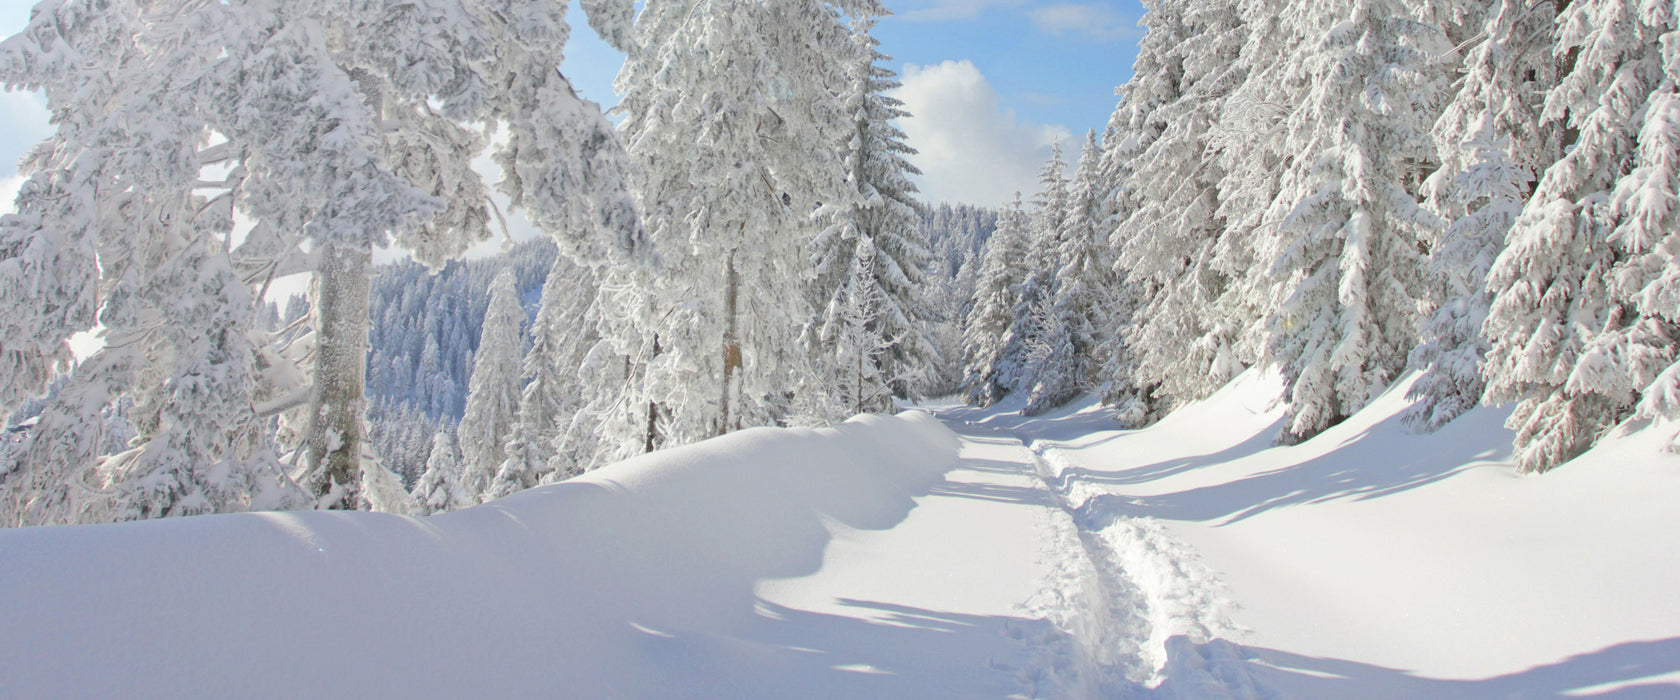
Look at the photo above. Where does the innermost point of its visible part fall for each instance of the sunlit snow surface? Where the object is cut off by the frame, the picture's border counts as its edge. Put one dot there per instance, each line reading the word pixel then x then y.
pixel 888 558
pixel 1371 562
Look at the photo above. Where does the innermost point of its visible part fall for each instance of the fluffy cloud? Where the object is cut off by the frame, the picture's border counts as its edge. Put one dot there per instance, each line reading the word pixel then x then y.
pixel 970 148
pixel 1094 20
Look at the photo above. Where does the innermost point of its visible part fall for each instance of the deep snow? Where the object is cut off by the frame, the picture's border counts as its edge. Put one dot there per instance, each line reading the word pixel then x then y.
pixel 1372 562
pixel 890 558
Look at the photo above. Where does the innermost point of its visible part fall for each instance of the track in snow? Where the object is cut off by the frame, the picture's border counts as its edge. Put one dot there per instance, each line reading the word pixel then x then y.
pixel 1137 615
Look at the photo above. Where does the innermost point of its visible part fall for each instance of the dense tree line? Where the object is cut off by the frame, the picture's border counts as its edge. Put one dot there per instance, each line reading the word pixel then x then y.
pixel 1482 192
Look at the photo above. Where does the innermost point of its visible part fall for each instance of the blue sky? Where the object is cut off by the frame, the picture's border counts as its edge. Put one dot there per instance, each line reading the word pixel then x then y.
pixel 991 82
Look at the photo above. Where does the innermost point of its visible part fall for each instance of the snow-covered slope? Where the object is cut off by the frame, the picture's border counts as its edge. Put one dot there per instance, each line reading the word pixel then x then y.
pixel 1048 557
pixel 1372 562
pixel 636 580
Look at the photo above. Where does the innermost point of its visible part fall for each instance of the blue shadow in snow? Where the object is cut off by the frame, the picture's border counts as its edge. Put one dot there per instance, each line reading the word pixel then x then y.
pixel 1579 676
pixel 1368 464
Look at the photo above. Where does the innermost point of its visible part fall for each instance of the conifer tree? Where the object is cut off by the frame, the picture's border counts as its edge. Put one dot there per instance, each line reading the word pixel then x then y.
pixel 1582 323
pixel 494 392
pixel 872 260
pixel 1027 343
pixel 995 300
pixel 561 336
pixel 731 108
pixel 1082 292
pixel 1352 260
pixel 1186 335
pixel 439 488
pixel 1492 145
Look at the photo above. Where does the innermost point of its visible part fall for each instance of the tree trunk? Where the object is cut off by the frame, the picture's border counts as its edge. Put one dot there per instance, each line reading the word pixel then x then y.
pixel 858 409
pixel 653 406
pixel 333 440
pixel 731 341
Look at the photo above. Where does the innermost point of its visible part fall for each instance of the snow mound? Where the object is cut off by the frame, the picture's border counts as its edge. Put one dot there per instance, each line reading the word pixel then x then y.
pixel 566 590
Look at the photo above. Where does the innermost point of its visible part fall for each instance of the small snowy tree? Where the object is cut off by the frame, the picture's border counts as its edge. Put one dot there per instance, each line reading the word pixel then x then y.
pixel 493 394
pixel 562 335
pixel 439 489
pixel 1027 343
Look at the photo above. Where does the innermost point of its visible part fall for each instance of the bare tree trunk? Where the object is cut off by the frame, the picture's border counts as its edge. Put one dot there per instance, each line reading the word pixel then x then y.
pixel 333 440
pixel 731 340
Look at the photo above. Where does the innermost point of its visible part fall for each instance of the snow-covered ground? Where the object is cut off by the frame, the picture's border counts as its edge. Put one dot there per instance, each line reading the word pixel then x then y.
pixel 1373 563
pixel 1049 557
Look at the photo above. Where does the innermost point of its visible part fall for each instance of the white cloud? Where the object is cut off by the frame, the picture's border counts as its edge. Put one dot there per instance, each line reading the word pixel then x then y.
pixel 970 148
pixel 1093 20
pixel 946 10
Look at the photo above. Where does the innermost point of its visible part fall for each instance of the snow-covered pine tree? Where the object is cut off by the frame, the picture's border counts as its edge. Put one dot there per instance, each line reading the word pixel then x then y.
pixel 206 450
pixel 1353 259
pixel 1453 349
pixel 1492 145
pixel 1256 156
pixel 1186 337
pixel 1027 343
pixel 561 336
pixel 1131 129
pixel 493 394
pixel 873 258
pixel 731 107
pixel 995 299
pixel 439 489
pixel 958 234
pixel 1083 287
pixel 1583 318
pixel 117 184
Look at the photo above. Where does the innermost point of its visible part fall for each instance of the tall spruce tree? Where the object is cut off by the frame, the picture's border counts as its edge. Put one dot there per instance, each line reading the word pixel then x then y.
pixel 872 260
pixel 1492 145
pixel 1583 317
pixel 494 392
pixel 731 107
pixel 1082 290
pixel 996 298
pixel 1187 334
pixel 1353 258
pixel 1027 343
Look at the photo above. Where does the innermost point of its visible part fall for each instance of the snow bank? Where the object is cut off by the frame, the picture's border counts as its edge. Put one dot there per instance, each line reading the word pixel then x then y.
pixel 560 591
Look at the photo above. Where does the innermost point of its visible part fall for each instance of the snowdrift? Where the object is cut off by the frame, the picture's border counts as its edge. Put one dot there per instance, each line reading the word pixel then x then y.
pixel 560 591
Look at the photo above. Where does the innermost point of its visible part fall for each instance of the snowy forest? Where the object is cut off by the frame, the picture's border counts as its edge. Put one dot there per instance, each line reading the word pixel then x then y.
pixel 1482 192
